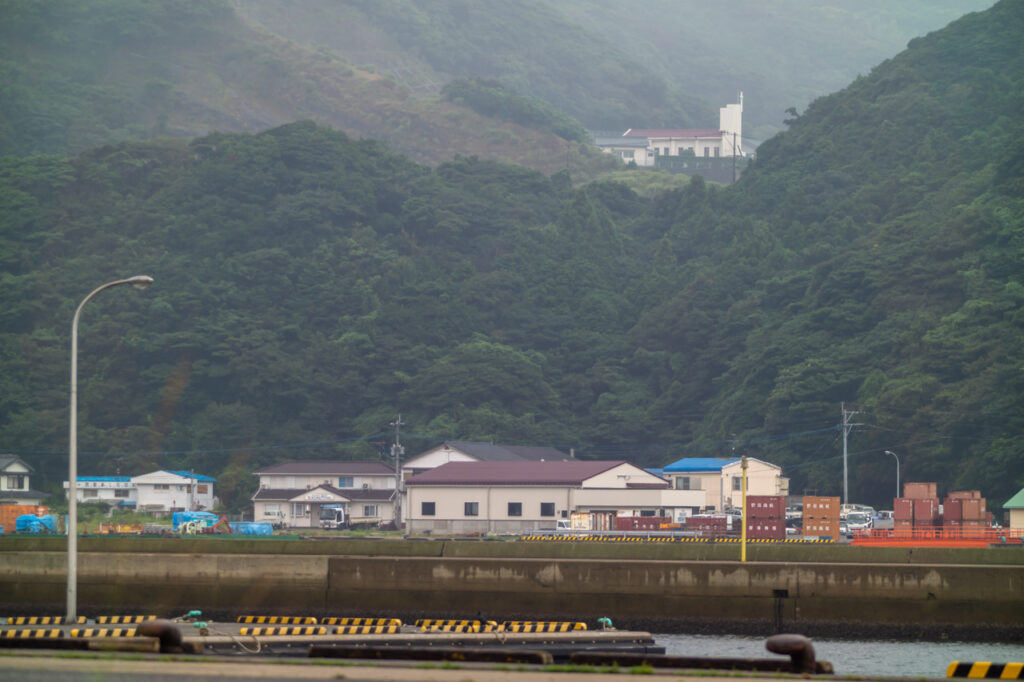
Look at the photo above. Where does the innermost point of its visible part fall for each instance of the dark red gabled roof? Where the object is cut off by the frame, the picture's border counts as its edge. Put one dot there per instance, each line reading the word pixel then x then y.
pixel 326 468
pixel 573 472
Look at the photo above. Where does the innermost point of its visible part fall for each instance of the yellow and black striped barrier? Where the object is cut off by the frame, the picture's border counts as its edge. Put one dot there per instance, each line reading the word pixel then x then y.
pixel 541 626
pixel 983 670
pixel 284 631
pixel 38 633
pixel 362 621
pixel 442 625
pixel 39 620
pixel 278 620
pixel 115 620
pixel 103 632
pixel 367 629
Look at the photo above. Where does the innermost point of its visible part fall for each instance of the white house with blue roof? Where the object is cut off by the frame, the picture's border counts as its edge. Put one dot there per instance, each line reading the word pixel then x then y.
pixel 113 491
pixel 721 479
pixel 168 491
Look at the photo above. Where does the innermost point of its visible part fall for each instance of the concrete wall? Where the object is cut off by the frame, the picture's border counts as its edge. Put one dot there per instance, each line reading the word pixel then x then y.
pixel 445 579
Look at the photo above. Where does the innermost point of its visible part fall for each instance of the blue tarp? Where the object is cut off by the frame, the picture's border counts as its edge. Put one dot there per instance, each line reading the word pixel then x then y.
pixel 252 528
pixel 206 518
pixel 27 523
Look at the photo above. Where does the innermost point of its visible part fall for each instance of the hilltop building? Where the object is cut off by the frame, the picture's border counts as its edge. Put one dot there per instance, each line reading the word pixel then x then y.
pixel 709 152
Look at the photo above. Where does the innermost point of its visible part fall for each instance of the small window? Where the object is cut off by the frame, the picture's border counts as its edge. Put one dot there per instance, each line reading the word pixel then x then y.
pixel 427 508
pixel 202 489
pixel 627 153
pixel 664 150
pixel 737 483
pixel 707 152
pixel 515 508
pixel 161 486
pixel 90 493
pixel 472 509
pixel 369 510
pixel 547 508
pixel 121 493
pixel 345 482
pixel 646 512
pixel 687 483
pixel 716 151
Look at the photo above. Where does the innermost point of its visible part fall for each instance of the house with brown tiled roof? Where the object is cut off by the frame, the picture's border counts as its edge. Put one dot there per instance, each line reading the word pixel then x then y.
pixel 293 494
pixel 515 495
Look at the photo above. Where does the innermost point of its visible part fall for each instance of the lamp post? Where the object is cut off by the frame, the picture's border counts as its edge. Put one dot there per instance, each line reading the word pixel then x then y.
pixel 890 452
pixel 139 282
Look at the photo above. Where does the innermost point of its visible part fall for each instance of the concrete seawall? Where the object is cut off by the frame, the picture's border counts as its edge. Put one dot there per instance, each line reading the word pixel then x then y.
pixel 660 593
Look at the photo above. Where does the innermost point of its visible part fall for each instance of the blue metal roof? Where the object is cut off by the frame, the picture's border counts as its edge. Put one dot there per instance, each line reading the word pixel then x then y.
pixel 698 464
pixel 106 479
pixel 189 474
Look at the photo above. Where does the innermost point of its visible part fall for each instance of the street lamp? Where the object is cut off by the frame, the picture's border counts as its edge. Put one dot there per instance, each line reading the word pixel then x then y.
pixel 139 282
pixel 890 452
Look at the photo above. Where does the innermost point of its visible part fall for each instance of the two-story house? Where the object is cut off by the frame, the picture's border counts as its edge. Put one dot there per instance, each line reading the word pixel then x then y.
pixel 292 493
pixel 170 491
pixel 15 486
pixel 722 479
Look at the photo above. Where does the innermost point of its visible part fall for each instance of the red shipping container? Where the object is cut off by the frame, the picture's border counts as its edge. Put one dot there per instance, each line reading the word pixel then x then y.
pixel 926 511
pixel 903 509
pixel 952 510
pixel 964 494
pixel 640 522
pixel 766 529
pixel 974 508
pixel 766 506
pixel 920 491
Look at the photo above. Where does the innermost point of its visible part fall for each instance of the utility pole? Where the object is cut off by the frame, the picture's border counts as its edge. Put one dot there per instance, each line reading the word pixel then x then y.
pixel 397 451
pixel 847 426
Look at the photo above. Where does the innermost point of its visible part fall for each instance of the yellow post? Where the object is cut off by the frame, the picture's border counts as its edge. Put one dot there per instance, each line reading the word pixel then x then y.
pixel 743 510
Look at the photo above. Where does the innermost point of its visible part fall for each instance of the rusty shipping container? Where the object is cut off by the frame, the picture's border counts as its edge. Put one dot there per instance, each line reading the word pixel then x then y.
pixel 926 511
pixel 920 491
pixel 903 509
pixel 766 506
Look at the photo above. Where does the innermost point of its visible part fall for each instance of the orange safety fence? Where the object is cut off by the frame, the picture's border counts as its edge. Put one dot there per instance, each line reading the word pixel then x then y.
pixel 938 536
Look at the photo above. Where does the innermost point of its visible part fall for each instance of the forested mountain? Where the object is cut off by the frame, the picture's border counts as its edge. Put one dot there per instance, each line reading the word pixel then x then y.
pixel 80 74
pixel 310 286
pixel 619 63
pixel 76 75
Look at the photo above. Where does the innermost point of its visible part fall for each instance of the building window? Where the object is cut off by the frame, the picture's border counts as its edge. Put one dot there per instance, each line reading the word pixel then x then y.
pixel 646 512
pixel 345 482
pixel 737 483
pixel 427 508
pixel 707 152
pixel 161 486
pixel 627 153
pixel 369 510
pixel 664 150
pixel 90 493
pixel 121 493
pixel 716 151
pixel 271 509
pixel 472 509
pixel 547 508
pixel 202 489
pixel 300 510
pixel 515 508
pixel 15 482
pixel 687 483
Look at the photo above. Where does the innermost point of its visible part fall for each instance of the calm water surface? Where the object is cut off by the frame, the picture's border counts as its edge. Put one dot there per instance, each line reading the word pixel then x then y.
pixel 887 658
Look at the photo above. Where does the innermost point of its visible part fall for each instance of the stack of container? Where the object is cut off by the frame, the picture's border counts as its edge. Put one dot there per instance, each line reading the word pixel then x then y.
pixel 766 517
pixel 964 509
pixel 917 509
pixel 9 514
pixel 821 517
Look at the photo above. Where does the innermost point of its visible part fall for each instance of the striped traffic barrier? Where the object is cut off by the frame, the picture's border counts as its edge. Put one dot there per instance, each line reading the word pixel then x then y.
pixel 103 632
pixel 367 630
pixel 283 631
pixel 983 670
pixel 114 620
pixel 541 626
pixel 447 625
pixel 39 620
pixel 278 620
pixel 362 621
pixel 38 633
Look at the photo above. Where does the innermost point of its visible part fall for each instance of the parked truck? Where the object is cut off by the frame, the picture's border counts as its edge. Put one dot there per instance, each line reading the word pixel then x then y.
pixel 332 516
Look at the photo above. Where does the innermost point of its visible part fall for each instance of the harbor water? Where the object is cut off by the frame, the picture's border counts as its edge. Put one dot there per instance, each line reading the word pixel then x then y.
pixel 848 657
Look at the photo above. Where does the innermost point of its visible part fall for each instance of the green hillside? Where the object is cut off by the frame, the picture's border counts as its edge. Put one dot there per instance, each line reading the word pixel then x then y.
pixel 310 286
pixel 77 75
